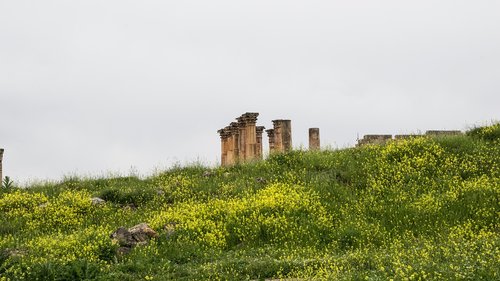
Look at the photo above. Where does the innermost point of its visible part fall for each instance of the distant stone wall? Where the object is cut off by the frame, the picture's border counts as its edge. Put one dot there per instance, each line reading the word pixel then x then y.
pixel 381 139
pixel 443 133
pixel 374 139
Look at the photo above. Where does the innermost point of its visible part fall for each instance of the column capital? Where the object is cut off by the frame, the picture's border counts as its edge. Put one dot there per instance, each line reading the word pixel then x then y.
pixel 278 122
pixel 234 127
pixel 224 133
pixel 270 132
pixel 259 129
pixel 241 122
pixel 250 117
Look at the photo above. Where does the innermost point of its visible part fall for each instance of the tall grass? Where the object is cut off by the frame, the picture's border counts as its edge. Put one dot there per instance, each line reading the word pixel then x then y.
pixel 417 209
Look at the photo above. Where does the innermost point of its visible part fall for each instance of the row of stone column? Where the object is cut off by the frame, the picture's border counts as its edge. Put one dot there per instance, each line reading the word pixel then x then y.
pixel 242 140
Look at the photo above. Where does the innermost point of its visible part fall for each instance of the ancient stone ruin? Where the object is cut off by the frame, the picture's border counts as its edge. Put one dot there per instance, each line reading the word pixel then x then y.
pixel 443 133
pixel 241 141
pixel 381 139
pixel 1 168
pixel 314 143
pixel 280 137
pixel 374 139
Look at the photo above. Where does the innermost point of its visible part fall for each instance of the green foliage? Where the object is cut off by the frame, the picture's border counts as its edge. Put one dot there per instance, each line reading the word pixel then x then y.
pixel 7 183
pixel 489 133
pixel 416 209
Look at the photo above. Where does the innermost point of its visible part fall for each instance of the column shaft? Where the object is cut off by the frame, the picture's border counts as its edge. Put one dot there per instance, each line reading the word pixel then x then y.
pixel 314 141
pixel 282 135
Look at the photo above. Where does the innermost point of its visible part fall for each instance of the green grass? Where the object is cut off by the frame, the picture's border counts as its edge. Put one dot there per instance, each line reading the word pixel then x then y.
pixel 417 209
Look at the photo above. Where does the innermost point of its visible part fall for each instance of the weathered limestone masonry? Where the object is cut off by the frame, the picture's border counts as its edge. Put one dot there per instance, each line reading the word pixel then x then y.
pixel 250 121
pixel 374 139
pixel 314 143
pixel 282 135
pixel 259 152
pixel 1 158
pixel 381 139
pixel 242 140
pixel 402 137
pixel 224 136
pixel 443 133
pixel 270 136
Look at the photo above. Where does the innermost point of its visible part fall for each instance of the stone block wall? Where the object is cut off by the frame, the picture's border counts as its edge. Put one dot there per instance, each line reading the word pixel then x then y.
pixel 443 133
pixel 374 139
pixel 381 139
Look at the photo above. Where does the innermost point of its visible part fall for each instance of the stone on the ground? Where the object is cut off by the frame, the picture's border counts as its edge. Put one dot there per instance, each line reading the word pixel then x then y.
pixel 137 235
pixel 97 201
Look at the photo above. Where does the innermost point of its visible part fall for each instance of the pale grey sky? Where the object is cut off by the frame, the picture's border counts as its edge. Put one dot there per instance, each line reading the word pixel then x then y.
pixel 91 86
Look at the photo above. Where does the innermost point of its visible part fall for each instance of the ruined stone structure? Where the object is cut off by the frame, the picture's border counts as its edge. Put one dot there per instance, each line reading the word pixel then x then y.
pixel 314 143
pixel 1 168
pixel 381 139
pixel 443 133
pixel 270 136
pixel 242 140
pixel 282 135
pixel 403 137
pixel 374 139
pixel 260 148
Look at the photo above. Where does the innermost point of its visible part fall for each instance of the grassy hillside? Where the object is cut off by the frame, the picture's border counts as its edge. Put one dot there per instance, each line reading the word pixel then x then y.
pixel 415 209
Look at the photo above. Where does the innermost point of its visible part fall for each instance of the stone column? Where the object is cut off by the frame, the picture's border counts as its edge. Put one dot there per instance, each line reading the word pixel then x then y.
pixel 259 130
pixel 1 168
pixel 270 136
pixel 224 147
pixel 242 138
pixel 250 121
pixel 233 143
pixel 283 135
pixel 314 143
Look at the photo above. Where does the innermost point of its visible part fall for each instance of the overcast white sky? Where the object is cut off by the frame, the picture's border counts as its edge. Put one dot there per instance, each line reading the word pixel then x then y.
pixel 90 87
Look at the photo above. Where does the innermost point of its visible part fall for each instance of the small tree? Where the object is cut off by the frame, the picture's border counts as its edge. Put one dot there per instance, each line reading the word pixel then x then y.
pixel 7 182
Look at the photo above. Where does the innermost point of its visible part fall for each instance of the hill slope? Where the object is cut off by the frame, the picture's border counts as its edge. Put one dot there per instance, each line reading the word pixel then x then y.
pixel 413 209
